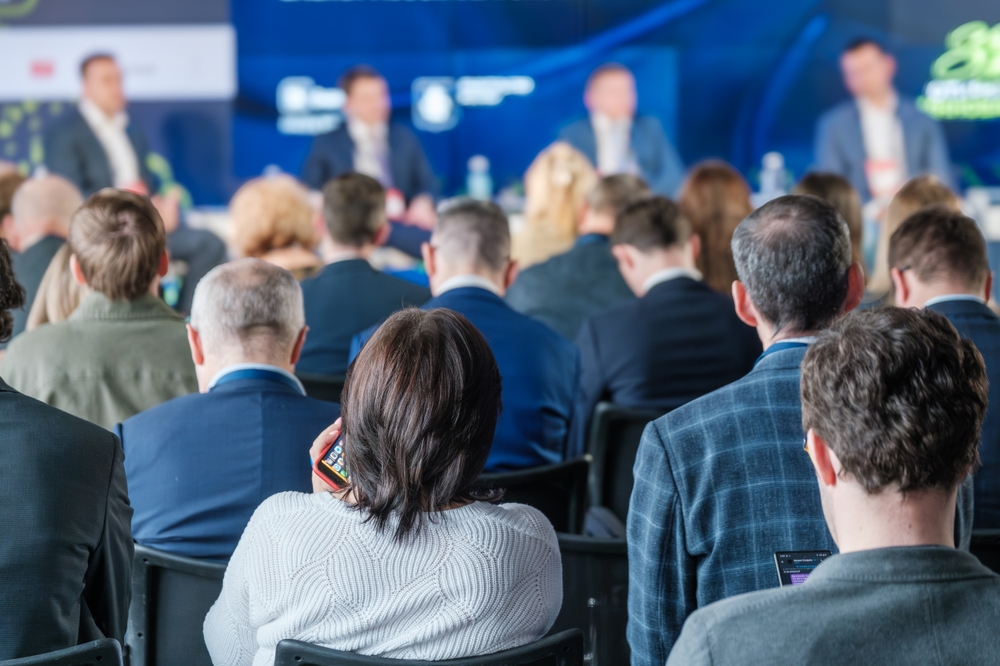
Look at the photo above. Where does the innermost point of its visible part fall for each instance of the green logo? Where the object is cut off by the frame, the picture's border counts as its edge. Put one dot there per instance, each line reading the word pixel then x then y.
pixel 16 9
pixel 966 77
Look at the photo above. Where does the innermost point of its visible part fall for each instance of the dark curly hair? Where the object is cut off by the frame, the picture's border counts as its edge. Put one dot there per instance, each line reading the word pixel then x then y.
pixel 11 293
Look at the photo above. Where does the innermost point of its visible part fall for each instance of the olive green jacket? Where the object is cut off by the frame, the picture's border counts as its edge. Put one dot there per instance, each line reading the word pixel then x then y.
pixel 107 362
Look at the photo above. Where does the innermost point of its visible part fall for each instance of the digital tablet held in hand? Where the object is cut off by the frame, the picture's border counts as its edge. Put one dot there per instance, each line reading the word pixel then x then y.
pixel 331 466
pixel 794 566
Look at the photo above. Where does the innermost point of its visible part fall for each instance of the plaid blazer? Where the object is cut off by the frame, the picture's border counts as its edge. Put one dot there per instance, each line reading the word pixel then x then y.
pixel 721 484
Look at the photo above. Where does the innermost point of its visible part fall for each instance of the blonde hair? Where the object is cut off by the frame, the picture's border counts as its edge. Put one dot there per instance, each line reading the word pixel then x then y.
pixel 839 193
pixel 715 199
pixel 917 193
pixel 271 213
pixel 58 293
pixel 556 186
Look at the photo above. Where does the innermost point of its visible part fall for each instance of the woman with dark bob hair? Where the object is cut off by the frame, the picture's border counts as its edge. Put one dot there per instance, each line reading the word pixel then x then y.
pixel 407 560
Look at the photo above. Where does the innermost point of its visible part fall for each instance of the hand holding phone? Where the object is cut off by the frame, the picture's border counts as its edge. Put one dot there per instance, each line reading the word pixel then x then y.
pixel 324 478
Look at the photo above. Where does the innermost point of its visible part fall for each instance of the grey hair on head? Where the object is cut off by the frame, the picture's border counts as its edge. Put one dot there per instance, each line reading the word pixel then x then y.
pixel 473 233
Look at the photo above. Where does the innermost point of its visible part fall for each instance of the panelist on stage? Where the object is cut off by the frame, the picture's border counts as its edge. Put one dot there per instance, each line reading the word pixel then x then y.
pixel 370 144
pixel 878 140
pixel 616 140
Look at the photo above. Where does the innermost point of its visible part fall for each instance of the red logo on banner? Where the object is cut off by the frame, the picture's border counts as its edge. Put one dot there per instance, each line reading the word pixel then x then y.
pixel 42 68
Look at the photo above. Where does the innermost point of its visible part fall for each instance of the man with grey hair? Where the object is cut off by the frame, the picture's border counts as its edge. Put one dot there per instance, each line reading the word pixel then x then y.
pixel 469 267
pixel 37 227
pixel 199 465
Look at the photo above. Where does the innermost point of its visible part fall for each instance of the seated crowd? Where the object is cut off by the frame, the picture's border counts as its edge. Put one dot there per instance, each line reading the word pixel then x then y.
pixel 751 331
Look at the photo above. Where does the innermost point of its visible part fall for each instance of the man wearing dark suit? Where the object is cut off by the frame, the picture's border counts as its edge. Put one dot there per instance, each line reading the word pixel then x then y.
pixel 899 592
pixel 198 466
pixel 616 140
pixel 563 291
pixel 878 141
pixel 65 545
pixel 938 261
pixel 349 295
pixel 369 143
pixel 680 340
pixel 468 263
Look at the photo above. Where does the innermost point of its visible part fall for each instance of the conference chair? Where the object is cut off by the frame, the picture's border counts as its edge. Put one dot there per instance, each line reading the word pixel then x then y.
pixel 595 596
pixel 559 491
pixel 103 652
pixel 564 649
pixel 986 546
pixel 322 387
pixel 171 596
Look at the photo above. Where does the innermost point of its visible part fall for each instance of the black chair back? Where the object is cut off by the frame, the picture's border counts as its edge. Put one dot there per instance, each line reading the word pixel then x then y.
pixel 614 440
pixel 103 652
pixel 564 649
pixel 559 491
pixel 322 387
pixel 171 595
pixel 986 546
pixel 595 596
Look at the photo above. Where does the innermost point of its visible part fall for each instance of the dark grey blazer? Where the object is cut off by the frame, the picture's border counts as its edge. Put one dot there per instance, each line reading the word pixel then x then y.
pixel 917 605
pixel 29 269
pixel 65 538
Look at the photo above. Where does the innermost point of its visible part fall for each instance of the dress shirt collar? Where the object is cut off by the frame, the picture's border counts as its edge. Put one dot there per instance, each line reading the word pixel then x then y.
pixel 460 281
pixel 604 124
pixel 95 117
pixel 866 107
pixel 944 298
pixel 363 132
pixel 256 366
pixel 668 274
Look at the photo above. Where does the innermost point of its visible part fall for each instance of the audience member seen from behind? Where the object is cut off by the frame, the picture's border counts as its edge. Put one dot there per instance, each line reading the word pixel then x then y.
pixel 892 401
pixel 569 287
pixel 838 192
pixel 939 262
pixel 617 139
pixel 199 465
pixel 715 199
pixel 721 483
pixel 555 188
pixel 10 180
pixel 122 350
pixel 420 408
pixel 271 219
pixel 59 294
pixel 349 295
pixel 677 342
pixel 468 263
pixel 66 553
pixel 36 229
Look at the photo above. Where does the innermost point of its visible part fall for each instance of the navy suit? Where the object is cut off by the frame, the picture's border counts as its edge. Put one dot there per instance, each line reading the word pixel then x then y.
pixel 660 165
pixel 344 299
pixel 563 291
pixel 199 465
pixel 677 343
pixel 29 269
pixel 976 322
pixel 840 146
pixel 539 370
pixel 332 154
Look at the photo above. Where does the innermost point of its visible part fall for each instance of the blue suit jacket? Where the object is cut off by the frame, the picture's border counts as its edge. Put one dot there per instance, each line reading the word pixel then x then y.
pixel 661 166
pixel 539 369
pixel 976 322
pixel 198 466
pixel 73 151
pixel 677 343
pixel 344 299
pixel 333 154
pixel 840 146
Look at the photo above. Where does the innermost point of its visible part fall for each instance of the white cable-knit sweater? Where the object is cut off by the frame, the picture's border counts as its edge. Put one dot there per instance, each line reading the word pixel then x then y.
pixel 476 580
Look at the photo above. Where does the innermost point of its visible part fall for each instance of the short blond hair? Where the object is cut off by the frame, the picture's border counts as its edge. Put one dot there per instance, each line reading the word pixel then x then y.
pixel 118 239
pixel 271 213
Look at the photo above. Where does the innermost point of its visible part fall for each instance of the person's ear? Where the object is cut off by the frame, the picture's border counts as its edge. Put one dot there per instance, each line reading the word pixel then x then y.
pixel 383 233
pixel 745 309
pixel 855 287
pixel 319 225
pixel 694 242
pixel 300 341
pixel 74 267
pixel 626 262
pixel 164 264
pixel 509 274
pixel 194 341
pixel 900 287
pixel 427 253
pixel 823 458
pixel 988 287
pixel 8 230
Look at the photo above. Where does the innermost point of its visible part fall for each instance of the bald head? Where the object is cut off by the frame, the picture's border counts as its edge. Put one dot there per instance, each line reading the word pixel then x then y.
pixel 42 207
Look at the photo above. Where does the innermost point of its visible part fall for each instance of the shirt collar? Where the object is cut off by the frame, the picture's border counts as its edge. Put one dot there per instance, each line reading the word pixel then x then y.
pixel 255 366
pixel 668 274
pixel 362 132
pixel 460 281
pixel 952 297
pixel 603 124
pixel 96 117
pixel 867 107
pixel 346 255
pixel 588 239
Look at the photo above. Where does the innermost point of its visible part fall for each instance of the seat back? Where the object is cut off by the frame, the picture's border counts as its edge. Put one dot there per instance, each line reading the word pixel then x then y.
pixel 103 652
pixel 559 491
pixel 322 387
pixel 614 440
pixel 595 596
pixel 563 649
pixel 986 546
pixel 171 595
